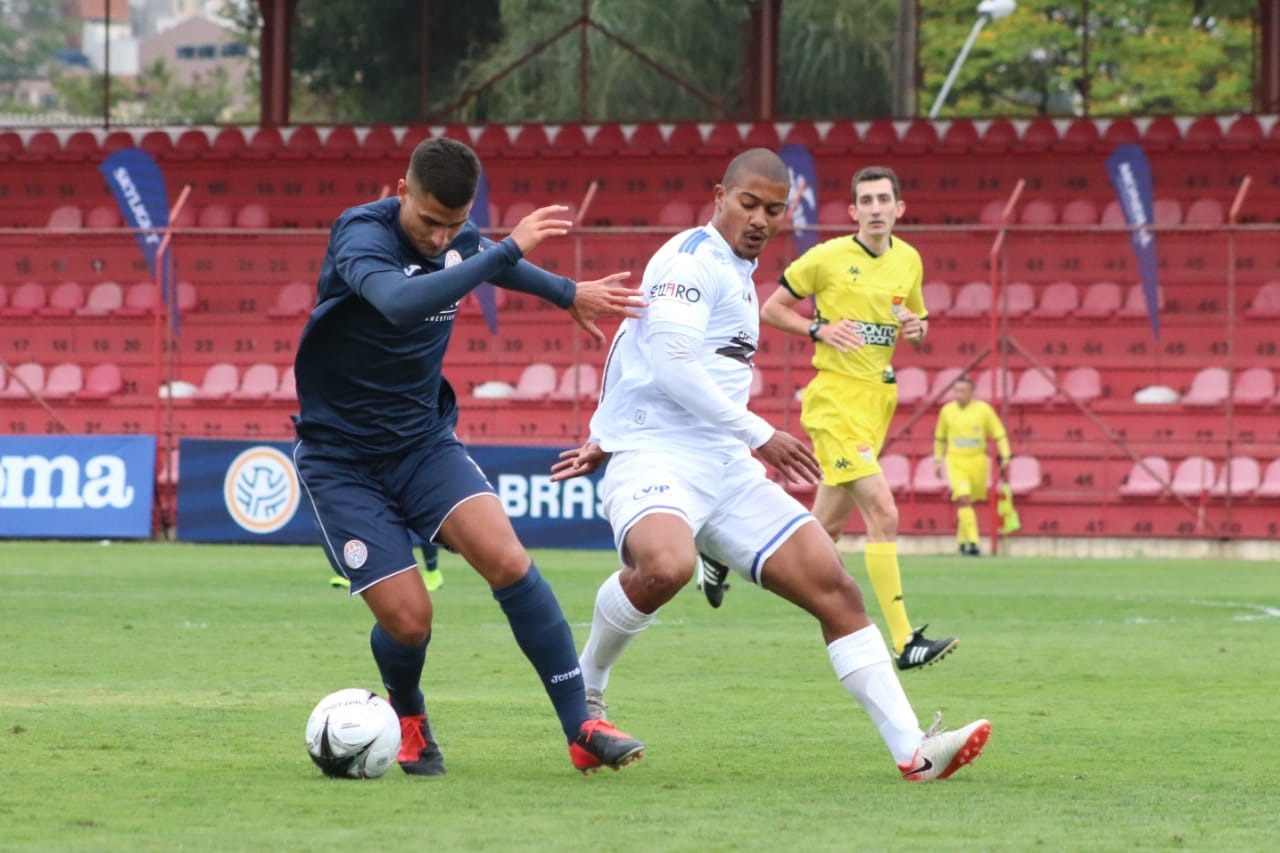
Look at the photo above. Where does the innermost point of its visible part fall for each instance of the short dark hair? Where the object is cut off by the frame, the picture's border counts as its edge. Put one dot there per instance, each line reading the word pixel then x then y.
pixel 447 169
pixel 756 161
pixel 963 377
pixel 875 173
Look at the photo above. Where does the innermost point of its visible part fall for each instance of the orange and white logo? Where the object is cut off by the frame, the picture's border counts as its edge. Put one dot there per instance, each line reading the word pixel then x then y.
pixel 354 553
pixel 261 490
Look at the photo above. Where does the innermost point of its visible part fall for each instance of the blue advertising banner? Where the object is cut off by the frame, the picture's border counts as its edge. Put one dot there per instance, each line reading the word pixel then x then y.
pixel 1131 177
pixel 77 487
pixel 239 491
pixel 804 194
pixel 138 185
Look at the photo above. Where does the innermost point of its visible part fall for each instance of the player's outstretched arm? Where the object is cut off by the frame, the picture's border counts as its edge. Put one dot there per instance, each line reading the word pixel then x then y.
pixel 792 457
pixel 578 462
pixel 604 297
pixel 538 226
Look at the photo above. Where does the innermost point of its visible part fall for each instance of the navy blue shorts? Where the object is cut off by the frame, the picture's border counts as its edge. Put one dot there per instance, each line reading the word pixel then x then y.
pixel 367 508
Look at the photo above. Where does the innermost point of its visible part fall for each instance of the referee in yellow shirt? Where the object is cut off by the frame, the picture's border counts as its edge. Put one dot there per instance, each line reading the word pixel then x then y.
pixel 866 290
pixel 965 425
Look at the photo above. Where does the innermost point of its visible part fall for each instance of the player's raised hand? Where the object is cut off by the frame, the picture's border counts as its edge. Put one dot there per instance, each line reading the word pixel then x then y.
pixel 578 462
pixel 791 456
pixel 537 226
pixel 842 335
pixel 913 327
pixel 605 297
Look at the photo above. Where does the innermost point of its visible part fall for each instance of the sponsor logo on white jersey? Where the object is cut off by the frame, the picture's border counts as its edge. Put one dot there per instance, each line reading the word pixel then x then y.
pixel 261 490
pixel 674 290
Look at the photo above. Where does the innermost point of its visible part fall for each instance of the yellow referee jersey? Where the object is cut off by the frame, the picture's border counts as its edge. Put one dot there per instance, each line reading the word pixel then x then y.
pixel 848 282
pixel 965 432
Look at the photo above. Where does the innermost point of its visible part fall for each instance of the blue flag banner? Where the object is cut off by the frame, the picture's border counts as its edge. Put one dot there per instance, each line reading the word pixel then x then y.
pixel 77 487
pixel 1131 177
pixel 138 185
pixel 480 216
pixel 804 194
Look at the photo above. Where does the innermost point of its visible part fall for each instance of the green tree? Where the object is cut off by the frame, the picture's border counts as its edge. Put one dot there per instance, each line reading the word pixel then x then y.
pixel 163 98
pixel 31 33
pixel 836 58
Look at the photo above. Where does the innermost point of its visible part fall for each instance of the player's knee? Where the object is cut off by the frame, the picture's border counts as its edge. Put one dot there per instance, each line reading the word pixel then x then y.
pixel 882 520
pixel 408 628
pixel 503 566
pixel 664 569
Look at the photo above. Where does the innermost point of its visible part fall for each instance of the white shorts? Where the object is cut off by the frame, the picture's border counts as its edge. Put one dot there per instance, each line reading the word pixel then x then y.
pixel 737 514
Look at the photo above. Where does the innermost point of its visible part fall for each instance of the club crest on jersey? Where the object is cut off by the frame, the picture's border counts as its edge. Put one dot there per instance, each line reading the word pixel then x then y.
pixel 452 258
pixel 867 454
pixel 354 553
pixel 672 290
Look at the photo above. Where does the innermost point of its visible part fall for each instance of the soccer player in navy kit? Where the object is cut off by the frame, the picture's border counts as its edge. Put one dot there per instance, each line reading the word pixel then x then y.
pixel 376 448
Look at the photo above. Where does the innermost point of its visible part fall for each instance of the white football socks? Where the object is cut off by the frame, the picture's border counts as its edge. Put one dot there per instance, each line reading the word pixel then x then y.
pixel 613 625
pixel 861 661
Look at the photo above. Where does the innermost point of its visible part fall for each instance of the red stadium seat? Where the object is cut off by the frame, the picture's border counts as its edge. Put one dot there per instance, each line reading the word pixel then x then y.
pixel 972 300
pixel 676 214
pixel 65 300
pixel 1135 303
pixel 569 141
pixel 64 381
pixel 1034 388
pixel 342 141
pixel 229 142
pixel 913 385
pixel 1244 474
pixel 27 379
pixel 493 140
pixel 517 211
pixel 1146 478
pixel 1079 211
pixel 157 143
pixel 762 134
pixel 802 133
pixel 897 470
pixel 992 212
pixel 926 481
pixel 188 216
pixel 287 390
pixel 1203 134
pixel 102 382
pixel 1161 134
pixel 26 300
pixel 265 142
pixel 216 216
pixel 531 140
pixel 191 142
pixel 378 142
pixel 1081 136
pixel 685 138
pixel 80 145
pixel 1101 300
pixel 723 139
pixel 10 144
pixel 998 137
pixel 1024 475
pixel 1113 214
pixel 259 381
pixel 188 300
pixel 220 380
pixel 834 213
pixel 1206 211
pixel 937 297
pixel 881 138
pixel 1082 383
pixel 1266 302
pixel 105 298
pixel 1255 386
pixel 607 141
pixel 580 382
pixel 66 217
pixel 253 215
pixel 536 382
pixel 1209 387
pixel 1270 485
pixel 103 216
pixel 1038 212
pixel 1119 132
pixel 1244 134
pixel 1040 135
pixel 295 299
pixel 1193 476
pixel 705 213
pixel 959 137
pixel 841 139
pixel 645 140
pixel 115 140
pixel 920 136
pixel 1060 299
pixel 303 142
pixel 42 144
pixel 1018 298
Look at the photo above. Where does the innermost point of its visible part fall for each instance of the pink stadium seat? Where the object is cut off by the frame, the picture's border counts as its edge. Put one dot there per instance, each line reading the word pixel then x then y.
pixel 517 211
pixel 536 382
pixel 579 382
pixel 140 300
pixel 1059 300
pixel 834 212
pixel 972 300
pixel 220 380
pixel 1024 474
pixel 1206 211
pixel 1079 211
pixel 1135 302
pixel 64 381
pixel 287 390
pixel 925 480
pixel 1266 302
pixel 1245 475
pixel 942 380
pixel 216 215
pixel 27 378
pixel 65 300
pixel 897 470
pixel 913 385
pixel 1038 212
pixel 1209 387
pixel 1113 214
pixel 996 383
pixel 188 216
pixel 1270 485
pixel 1146 478
pixel 4 297
pixel 1034 388
pixel 1255 386
pixel 992 212
pixel 103 216
pixel 102 382
pixel 105 298
pixel 259 381
pixel 1101 300
pixel 25 301
pixel 1018 298
pixel 675 214
pixel 295 299
pixel 937 297
pixel 1082 383
pixel 66 217
pixel 1193 476
pixel 188 299
pixel 1167 211
pixel 253 215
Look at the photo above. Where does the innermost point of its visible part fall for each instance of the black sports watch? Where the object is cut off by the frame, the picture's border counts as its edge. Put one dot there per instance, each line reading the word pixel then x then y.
pixel 813 330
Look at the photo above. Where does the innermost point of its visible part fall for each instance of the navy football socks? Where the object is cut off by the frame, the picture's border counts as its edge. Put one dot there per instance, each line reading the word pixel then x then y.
pixel 401 668
pixel 544 636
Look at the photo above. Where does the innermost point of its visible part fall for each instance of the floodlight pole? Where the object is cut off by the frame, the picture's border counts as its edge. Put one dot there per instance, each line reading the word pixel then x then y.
pixel 955 66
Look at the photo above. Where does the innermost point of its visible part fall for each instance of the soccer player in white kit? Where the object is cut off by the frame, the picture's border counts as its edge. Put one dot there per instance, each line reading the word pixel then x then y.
pixel 674 425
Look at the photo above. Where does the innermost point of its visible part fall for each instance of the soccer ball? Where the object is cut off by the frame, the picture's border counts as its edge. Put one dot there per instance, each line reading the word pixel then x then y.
pixel 353 734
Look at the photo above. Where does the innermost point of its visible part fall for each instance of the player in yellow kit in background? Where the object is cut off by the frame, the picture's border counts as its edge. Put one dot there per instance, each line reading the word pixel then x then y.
pixel 867 294
pixel 965 425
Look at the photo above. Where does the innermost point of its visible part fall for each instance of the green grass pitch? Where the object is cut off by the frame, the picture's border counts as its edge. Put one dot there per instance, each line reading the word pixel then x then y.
pixel 153 697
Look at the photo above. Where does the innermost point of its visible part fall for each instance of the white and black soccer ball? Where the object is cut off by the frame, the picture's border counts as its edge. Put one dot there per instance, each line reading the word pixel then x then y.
pixel 353 734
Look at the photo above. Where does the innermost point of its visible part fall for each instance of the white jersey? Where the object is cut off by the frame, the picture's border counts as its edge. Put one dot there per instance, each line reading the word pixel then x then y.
pixel 698 287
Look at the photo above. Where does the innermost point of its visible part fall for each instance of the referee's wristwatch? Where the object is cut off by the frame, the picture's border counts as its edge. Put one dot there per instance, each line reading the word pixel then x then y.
pixel 813 330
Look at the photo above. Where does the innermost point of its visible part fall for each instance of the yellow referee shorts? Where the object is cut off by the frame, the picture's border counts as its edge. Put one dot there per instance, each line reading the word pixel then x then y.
pixel 968 476
pixel 847 419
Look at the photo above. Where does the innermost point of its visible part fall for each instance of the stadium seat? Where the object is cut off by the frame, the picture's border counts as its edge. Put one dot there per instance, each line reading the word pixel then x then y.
pixel 835 212
pixel 1135 302
pixel 1203 134
pixel 959 137
pixel 295 299
pixel 1166 211
pixel 530 141
pixel 675 213
pixel 607 141
pixel 517 211
pixel 340 143
pixel 188 298
pixel 1082 383
pixel 103 216
pixel 216 215
pixel 253 215
pixel 1244 134
pixel 1146 478
pixel 569 141
pixel 939 389
pixel 1245 475
pixel 492 141
pixel 1034 388
pixel 762 134
pixel 995 383
pixel 27 379
pixel 802 133
pixel 897 470
pixel 1209 387
pixel 1101 300
pixel 913 385
pixel 157 143
pixel 259 382
pixel 579 382
pixel 188 216
pixel 1266 302
pixel 220 380
pixel 378 142
pixel 287 390
pixel 685 138
pixel 536 382
pixel 26 300
pixel 1161 134
pixel 65 217
pixel 228 142
pixel 1038 212
pixel 992 212
pixel 840 140
pixel 1017 299
pixel 64 381
pixel 1270 485
pixel 920 136
pixel 139 300
pixel 723 140
pixel 265 142
pixel 1206 211
pixel 304 142
pixel 105 298
pixel 1112 214
pixel 1040 135
pixel 999 137
pixel 101 382
pixel 1254 386
pixel 65 300
pixel 972 300
pixel 191 143
pixel 1079 211
pixel 1024 474
pixel 1081 136
pixel 1193 476
pixel 925 480
pixel 116 140
pixel 937 297
pixel 1058 301
pixel 10 144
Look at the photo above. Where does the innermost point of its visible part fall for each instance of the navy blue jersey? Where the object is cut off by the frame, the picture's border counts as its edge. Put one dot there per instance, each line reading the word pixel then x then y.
pixel 368 367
